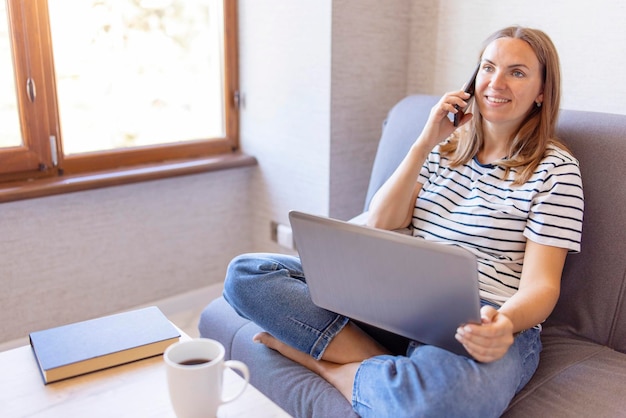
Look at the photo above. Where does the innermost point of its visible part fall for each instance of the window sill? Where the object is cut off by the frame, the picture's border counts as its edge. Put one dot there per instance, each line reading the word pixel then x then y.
pixel 78 182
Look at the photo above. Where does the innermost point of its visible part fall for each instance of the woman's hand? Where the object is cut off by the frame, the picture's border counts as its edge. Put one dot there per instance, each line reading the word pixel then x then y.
pixel 439 126
pixel 490 340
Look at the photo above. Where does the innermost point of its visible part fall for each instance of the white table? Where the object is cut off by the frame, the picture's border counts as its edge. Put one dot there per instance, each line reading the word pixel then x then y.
pixel 137 389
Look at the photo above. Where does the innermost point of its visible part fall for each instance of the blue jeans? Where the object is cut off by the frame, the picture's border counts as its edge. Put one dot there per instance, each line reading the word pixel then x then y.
pixel 270 290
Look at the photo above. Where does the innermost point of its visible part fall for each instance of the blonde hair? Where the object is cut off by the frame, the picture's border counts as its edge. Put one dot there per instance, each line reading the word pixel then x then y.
pixel 536 132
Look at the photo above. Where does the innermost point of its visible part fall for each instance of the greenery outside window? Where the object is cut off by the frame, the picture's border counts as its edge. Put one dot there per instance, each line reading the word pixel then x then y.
pixel 111 84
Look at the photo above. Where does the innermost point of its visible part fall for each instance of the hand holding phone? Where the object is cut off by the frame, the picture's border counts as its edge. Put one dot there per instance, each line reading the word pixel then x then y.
pixel 469 88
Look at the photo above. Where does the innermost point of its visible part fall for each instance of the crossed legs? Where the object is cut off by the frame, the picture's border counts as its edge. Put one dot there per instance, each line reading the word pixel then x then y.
pixel 271 290
pixel 340 360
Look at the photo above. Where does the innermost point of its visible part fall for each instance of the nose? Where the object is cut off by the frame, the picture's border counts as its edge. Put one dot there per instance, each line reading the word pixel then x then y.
pixel 496 80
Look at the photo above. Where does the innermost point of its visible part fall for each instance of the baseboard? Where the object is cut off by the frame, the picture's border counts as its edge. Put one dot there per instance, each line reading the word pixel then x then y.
pixel 189 301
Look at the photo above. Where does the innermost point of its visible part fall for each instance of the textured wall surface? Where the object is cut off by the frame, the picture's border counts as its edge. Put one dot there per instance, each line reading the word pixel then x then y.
pixel 370 47
pixel 80 255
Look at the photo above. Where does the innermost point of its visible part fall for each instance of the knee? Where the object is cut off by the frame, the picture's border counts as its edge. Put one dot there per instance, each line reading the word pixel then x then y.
pixel 247 276
pixel 238 274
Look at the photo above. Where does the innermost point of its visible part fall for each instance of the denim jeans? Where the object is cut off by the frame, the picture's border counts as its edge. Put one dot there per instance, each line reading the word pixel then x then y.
pixel 270 290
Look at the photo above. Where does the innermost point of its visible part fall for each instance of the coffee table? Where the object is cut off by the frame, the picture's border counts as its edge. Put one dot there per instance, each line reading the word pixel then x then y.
pixel 137 389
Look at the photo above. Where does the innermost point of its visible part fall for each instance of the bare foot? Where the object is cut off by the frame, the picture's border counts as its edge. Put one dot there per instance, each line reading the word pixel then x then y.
pixel 339 375
pixel 352 345
pixel 286 350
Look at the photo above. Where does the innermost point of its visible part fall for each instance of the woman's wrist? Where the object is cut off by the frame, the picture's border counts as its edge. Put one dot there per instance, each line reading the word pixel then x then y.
pixel 420 149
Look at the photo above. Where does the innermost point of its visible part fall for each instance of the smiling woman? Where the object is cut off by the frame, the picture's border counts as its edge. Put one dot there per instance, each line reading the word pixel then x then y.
pixel 103 84
pixel 520 88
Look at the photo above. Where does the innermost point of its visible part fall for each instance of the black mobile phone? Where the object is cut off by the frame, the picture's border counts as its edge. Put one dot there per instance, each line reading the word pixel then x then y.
pixel 469 88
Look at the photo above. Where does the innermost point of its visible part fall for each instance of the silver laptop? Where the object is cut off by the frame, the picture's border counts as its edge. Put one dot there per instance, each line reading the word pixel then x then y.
pixel 406 285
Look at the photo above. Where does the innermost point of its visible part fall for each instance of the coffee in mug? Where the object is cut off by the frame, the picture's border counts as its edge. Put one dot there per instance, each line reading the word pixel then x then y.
pixel 194 361
pixel 195 372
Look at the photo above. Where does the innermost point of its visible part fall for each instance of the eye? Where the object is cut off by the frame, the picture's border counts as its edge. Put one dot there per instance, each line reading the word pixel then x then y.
pixel 518 74
pixel 488 68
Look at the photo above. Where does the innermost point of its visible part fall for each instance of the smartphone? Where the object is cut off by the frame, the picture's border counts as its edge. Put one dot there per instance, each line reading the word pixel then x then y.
pixel 469 88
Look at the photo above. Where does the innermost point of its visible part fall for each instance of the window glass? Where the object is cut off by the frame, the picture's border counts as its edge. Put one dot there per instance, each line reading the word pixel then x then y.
pixel 133 73
pixel 10 134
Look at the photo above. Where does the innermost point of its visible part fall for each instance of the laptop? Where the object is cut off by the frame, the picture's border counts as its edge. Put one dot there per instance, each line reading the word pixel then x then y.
pixel 405 285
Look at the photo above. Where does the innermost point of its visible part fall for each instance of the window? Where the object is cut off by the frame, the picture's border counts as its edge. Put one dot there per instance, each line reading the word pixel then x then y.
pixel 104 84
pixel 10 135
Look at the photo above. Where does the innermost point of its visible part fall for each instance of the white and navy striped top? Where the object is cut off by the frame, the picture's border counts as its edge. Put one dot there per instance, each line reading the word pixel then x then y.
pixel 473 206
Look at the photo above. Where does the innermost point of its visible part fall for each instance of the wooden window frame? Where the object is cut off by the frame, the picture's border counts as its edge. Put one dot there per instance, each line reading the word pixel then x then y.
pixel 39 118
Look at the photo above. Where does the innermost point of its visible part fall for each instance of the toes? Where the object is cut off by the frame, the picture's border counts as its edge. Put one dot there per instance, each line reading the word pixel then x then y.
pixel 266 339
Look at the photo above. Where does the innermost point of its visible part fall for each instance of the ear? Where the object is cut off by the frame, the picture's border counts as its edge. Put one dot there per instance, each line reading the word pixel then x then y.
pixel 539 99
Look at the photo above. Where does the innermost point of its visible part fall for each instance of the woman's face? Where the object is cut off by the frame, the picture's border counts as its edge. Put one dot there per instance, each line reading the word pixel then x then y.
pixel 509 82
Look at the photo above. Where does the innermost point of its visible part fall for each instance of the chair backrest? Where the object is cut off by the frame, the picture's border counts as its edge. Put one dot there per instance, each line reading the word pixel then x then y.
pixel 593 295
pixel 401 128
pixel 593 291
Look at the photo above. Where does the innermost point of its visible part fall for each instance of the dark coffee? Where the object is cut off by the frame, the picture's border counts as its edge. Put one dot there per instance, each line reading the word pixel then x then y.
pixel 194 361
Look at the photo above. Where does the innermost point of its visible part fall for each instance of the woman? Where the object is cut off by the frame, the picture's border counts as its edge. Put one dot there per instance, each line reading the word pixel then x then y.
pixel 501 186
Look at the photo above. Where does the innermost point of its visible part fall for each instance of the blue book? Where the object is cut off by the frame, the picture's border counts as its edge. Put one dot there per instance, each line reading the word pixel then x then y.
pixel 84 347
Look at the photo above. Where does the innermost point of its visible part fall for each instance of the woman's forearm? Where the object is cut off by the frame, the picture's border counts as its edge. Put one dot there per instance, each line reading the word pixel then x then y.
pixel 528 308
pixel 539 288
pixel 391 207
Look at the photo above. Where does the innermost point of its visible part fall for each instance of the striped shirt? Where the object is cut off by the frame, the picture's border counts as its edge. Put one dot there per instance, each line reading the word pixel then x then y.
pixel 475 207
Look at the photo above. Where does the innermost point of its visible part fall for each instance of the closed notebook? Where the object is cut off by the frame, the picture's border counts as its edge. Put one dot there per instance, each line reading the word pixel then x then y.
pixel 83 347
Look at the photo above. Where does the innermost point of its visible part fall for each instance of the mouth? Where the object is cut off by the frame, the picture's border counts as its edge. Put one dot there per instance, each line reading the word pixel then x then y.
pixel 496 100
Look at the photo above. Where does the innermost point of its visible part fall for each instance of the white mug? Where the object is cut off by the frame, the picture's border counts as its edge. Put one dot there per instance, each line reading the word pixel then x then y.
pixel 195 372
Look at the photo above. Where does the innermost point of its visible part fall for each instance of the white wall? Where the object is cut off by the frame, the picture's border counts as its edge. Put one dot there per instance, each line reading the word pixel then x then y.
pixel 318 79
pixel 285 119
pixel 590 38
